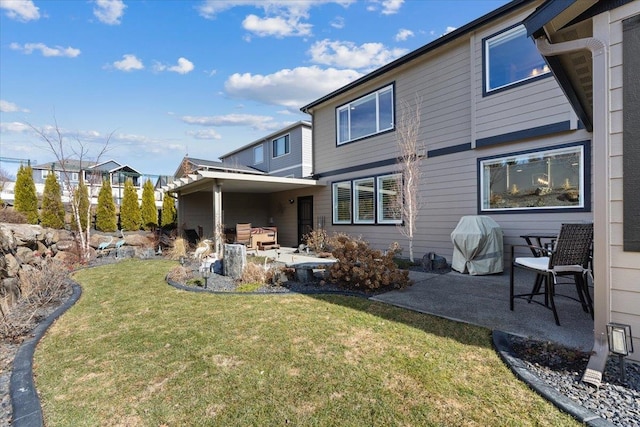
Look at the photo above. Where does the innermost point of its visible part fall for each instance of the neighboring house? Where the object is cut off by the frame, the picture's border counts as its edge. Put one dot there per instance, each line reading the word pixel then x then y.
pixel 500 139
pixel 93 175
pixel 593 50
pixel 287 152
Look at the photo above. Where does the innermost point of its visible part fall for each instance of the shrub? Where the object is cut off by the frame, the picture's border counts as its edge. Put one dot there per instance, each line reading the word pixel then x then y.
pixel 148 210
pixel 316 240
pixel 130 215
pixel 12 216
pixel 26 200
pixel 360 267
pixel 106 210
pixel 168 211
pixel 254 273
pixel 52 214
pixel 40 287
pixel 179 249
pixel 180 274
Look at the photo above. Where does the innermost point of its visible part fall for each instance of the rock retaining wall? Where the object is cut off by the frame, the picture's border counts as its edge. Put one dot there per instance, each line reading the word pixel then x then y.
pixel 24 246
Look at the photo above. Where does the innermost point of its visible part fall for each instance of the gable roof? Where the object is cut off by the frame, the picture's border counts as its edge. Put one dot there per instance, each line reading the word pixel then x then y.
pixel 443 40
pixel 212 165
pixel 71 165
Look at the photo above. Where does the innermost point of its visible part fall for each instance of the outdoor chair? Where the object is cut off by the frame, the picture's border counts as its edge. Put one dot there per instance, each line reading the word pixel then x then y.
pixel 569 258
pixel 243 234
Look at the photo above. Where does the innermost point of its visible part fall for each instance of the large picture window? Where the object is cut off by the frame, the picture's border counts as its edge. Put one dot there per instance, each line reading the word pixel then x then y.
pixel 510 58
pixel 281 146
pixel 342 202
pixel 390 199
pixel 365 116
pixel 364 199
pixel 535 180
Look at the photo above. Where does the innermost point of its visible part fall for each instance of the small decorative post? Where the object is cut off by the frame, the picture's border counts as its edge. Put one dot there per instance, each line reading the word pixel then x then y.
pixel 206 273
pixel 620 344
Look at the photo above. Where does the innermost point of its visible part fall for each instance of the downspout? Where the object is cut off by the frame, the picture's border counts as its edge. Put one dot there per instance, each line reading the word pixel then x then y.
pixel 601 216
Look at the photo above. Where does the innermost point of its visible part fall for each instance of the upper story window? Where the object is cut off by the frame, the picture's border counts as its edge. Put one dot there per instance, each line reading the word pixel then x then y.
pixel 258 154
pixel 511 58
pixel 281 146
pixel 366 116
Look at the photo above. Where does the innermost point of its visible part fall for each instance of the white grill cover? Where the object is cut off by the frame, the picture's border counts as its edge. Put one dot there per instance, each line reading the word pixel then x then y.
pixel 477 246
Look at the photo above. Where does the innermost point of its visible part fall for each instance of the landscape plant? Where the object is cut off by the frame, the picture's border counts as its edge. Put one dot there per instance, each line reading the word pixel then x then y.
pixel 169 212
pixel 148 210
pixel 135 351
pixel 52 214
pixel 106 209
pixel 83 211
pixel 26 199
pixel 130 215
pixel 359 266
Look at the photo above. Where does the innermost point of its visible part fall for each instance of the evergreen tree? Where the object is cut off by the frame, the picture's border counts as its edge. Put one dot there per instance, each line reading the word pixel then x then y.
pixel 52 207
pixel 130 216
pixel 81 198
pixel 148 209
pixel 168 210
pixel 106 210
pixel 26 200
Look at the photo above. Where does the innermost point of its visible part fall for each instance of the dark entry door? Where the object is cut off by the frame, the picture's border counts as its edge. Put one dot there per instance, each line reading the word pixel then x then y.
pixel 305 216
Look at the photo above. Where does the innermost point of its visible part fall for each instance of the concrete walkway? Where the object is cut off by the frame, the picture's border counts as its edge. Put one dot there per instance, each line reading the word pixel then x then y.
pixel 484 301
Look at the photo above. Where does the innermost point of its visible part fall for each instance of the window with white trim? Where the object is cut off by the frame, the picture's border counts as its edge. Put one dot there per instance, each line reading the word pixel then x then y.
pixel 541 180
pixel 280 146
pixel 364 201
pixel 510 58
pixel 258 154
pixel 390 199
pixel 366 116
pixel 342 202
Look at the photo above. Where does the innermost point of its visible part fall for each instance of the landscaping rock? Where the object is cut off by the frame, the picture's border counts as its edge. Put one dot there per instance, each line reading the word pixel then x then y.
pixel 433 262
pixel 235 259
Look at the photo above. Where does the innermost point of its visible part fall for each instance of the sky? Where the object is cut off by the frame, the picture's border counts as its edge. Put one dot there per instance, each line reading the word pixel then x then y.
pixel 156 80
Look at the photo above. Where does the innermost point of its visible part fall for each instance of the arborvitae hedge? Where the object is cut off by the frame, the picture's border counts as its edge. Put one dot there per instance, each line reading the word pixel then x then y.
pixel 82 199
pixel 26 200
pixel 106 210
pixel 130 216
pixel 168 210
pixel 148 208
pixel 52 208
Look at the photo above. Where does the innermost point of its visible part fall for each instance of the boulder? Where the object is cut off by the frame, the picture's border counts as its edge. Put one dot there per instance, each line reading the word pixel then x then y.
pixel 64 245
pixel 138 240
pixel 25 255
pixel 9 294
pixel 7 241
pixel 27 234
pixel 432 261
pixel 12 265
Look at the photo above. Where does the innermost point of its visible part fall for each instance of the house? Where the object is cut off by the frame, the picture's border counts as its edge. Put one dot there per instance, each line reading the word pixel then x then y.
pixel 592 49
pixel 258 183
pixel 286 152
pixel 93 174
pixel 504 134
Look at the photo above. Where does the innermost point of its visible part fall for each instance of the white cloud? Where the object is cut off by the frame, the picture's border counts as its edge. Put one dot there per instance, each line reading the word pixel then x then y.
pixel 389 7
pixel 289 88
pixel 204 134
pixel 282 18
pixel 109 11
pixel 403 35
pixel 276 26
pixel 239 120
pixel 348 55
pixel 14 127
pixel 128 63
pixel 10 107
pixel 29 48
pixel 184 66
pixel 337 22
pixel 20 10
pixel 449 30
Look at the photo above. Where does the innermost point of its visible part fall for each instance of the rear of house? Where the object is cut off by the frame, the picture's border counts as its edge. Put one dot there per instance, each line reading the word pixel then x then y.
pixel 499 137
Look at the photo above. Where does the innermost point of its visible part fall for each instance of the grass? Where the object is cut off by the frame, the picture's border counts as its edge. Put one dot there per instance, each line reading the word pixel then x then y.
pixel 134 351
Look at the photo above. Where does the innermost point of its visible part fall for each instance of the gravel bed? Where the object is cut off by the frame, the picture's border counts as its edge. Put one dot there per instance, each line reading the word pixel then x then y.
pixel 562 368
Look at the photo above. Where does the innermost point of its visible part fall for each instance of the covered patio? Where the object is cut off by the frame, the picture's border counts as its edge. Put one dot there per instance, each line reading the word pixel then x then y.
pixel 213 202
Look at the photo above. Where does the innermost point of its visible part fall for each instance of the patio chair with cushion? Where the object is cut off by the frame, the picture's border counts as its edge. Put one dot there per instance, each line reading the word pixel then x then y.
pixel 570 258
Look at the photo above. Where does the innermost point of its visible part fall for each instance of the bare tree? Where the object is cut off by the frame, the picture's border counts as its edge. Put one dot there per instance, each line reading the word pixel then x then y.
pixel 77 152
pixel 411 152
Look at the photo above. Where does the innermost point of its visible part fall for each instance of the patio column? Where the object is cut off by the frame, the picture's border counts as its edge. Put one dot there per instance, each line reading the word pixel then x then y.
pixel 217 216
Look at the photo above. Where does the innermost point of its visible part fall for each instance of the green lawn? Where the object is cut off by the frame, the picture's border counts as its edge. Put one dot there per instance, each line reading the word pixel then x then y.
pixel 135 352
